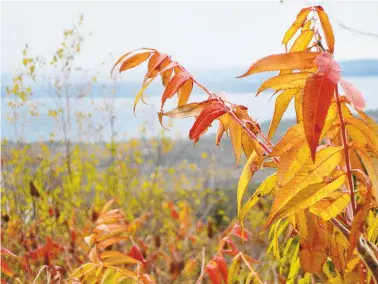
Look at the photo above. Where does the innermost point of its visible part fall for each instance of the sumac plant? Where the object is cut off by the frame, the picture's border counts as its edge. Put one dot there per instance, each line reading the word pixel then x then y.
pixel 325 184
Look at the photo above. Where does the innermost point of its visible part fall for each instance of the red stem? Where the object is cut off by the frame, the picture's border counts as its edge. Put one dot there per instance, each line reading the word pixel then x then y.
pixel 346 152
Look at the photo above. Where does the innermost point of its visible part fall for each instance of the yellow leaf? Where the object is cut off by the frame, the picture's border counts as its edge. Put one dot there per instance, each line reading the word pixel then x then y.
pixel 366 130
pixel 338 246
pixel 306 279
pixel 84 269
pixel 310 195
pixel 233 269
pixel 252 165
pixel 330 118
pixel 247 145
pixel 328 209
pixel 371 170
pixel 294 266
pixel 285 81
pixel 107 206
pixel 326 161
pixel 282 102
pixel 298 106
pixel 372 124
pixel 236 136
pixel 264 188
pixel 291 138
pixel 300 20
pixel 141 91
pixel 302 42
pixel 291 162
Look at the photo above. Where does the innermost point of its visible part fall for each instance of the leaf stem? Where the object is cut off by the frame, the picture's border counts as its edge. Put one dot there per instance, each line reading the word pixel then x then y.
pixel 346 152
pixel 249 132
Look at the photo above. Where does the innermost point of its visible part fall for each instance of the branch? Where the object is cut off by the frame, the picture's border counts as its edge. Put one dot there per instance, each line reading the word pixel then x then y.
pixel 346 152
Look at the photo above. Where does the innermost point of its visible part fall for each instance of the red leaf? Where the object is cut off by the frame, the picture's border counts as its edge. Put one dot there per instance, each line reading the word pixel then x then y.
pixel 214 274
pixel 174 212
pixel 353 95
pixel 317 98
pixel 222 266
pixel 232 249
pixel 241 233
pixel 136 254
pixel 6 269
pixel 174 85
pixel 206 117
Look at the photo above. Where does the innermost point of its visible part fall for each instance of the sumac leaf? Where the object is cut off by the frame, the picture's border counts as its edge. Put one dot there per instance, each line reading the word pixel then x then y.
pixel 206 117
pixel 283 61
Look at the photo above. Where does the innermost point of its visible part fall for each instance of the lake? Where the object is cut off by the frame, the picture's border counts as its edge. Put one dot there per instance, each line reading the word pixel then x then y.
pixel 128 126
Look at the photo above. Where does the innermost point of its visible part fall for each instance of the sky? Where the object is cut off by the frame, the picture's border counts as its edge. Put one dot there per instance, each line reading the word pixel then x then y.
pixel 196 34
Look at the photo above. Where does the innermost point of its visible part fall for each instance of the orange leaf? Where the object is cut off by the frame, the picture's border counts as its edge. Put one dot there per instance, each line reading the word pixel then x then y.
pixel 146 84
pixel 128 53
pixel 176 82
pixel 155 61
pixel 317 99
pixel 327 28
pixel 207 116
pixel 188 110
pixel 166 75
pixel 184 92
pixel 219 133
pixel 134 61
pixel 110 241
pixel 357 225
pixel 283 61
pixel 301 18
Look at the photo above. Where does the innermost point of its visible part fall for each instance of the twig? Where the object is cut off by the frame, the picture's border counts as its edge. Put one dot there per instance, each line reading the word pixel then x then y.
pixel 346 151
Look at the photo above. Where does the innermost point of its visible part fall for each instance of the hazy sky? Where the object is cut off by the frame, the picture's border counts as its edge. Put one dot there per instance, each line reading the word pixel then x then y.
pixel 197 34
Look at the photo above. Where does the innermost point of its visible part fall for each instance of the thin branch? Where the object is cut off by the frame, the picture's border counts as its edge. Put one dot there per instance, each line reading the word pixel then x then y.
pixel 346 151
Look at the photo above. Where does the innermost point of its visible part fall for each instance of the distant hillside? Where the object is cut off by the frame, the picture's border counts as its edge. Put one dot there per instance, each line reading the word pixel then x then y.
pixel 215 79
pixel 185 150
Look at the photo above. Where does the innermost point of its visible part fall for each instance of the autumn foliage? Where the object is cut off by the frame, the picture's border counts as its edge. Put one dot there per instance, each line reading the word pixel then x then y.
pixel 323 219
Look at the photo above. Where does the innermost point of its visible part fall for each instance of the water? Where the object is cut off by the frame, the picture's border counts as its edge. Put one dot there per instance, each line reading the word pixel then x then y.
pixel 128 126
